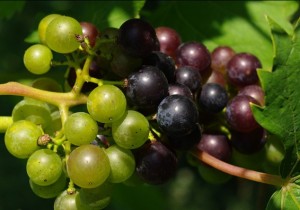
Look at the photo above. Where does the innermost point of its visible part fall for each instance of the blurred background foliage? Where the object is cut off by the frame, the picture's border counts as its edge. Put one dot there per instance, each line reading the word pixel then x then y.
pixel 239 24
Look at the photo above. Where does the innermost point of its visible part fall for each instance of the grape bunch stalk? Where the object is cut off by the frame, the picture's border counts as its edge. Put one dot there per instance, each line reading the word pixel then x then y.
pixel 149 99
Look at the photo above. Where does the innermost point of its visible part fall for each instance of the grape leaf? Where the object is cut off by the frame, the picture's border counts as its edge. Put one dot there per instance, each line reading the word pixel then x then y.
pixel 281 114
pixel 287 198
pixel 239 24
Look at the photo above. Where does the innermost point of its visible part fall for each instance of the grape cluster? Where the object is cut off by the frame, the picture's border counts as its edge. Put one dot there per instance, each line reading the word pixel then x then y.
pixel 150 98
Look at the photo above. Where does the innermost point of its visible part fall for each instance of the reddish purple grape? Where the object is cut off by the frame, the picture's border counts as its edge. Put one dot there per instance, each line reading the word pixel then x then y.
pixel 242 69
pixel 239 114
pixel 217 77
pixel 91 31
pixel 255 91
pixel 249 142
pixel 188 76
pixel 155 163
pixel 137 37
pixel 169 40
pixel 193 54
pixel 220 56
pixel 216 145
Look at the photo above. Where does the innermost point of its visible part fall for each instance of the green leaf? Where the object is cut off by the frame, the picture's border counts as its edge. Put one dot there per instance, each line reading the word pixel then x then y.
pixel 9 8
pixel 281 114
pixel 239 24
pixel 287 198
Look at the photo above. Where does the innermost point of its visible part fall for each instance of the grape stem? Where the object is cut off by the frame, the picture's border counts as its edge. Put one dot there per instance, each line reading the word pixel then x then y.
pixel 239 171
pixel 56 98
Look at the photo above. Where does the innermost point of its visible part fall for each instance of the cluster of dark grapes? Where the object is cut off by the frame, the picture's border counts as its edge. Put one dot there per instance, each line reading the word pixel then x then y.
pixel 150 99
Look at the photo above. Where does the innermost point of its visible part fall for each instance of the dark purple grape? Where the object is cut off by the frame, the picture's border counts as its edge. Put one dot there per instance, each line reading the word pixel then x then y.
pixel 249 142
pixel 91 31
pixel 137 37
pixel 242 69
pixel 162 61
pixel 217 77
pixel 185 142
pixel 193 54
pixel 146 87
pixel 169 40
pixel 155 163
pixel 177 115
pixel 239 114
pixel 220 56
pixel 123 64
pixel 180 89
pixel 213 97
pixel 255 91
pixel 188 76
pixel 216 145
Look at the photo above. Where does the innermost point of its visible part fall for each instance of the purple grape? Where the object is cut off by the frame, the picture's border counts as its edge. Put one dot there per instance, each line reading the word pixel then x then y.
pixel 239 115
pixel 193 54
pixel 91 31
pixel 241 69
pixel 177 115
pixel 188 76
pixel 137 37
pixel 255 91
pixel 180 89
pixel 155 163
pixel 220 56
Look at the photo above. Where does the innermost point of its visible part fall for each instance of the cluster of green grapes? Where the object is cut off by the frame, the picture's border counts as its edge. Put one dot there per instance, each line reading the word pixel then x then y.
pixel 149 98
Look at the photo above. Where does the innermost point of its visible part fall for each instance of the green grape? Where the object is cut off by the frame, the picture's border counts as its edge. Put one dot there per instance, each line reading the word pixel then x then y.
pixel 21 138
pixel 95 198
pixel 44 167
pixel 51 190
pixel 61 34
pixel 88 166
pixel 122 163
pixel 67 201
pixel 252 161
pixel 56 124
pixel 37 59
pixel 131 131
pixel 43 24
pixel 32 110
pixel 212 175
pixel 47 83
pixel 106 103
pixel 80 128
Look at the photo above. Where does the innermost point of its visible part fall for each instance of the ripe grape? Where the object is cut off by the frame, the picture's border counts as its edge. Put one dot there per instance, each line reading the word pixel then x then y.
pixel 188 76
pixel 239 114
pixel 131 131
pixel 193 54
pixel 80 128
pixel 122 163
pixel 146 87
pixel 180 89
pixel 37 59
pixel 106 103
pixel 242 69
pixel 255 91
pixel 61 34
pixel 155 163
pixel 217 77
pixel 90 31
pixel 220 56
pixel 137 37
pixel 177 115
pixel 169 40
pixel 213 97
pixel 44 167
pixel 21 138
pixel 88 166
